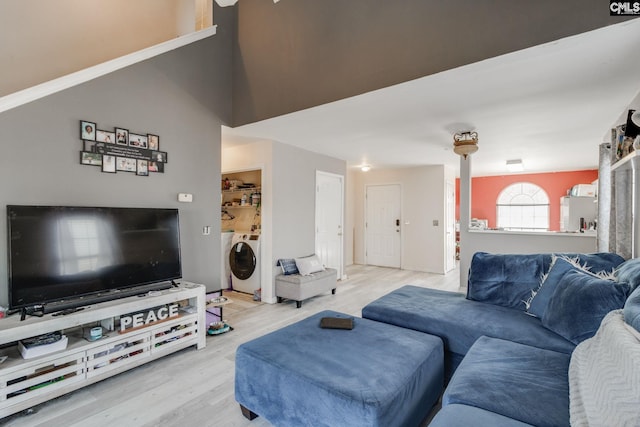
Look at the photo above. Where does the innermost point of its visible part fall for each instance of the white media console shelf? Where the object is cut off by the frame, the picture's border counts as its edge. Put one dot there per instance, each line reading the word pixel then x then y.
pixel 28 382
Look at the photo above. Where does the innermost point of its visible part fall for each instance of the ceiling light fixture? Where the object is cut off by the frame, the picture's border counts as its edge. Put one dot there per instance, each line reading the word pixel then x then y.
pixel 515 165
pixel 465 143
pixel 365 168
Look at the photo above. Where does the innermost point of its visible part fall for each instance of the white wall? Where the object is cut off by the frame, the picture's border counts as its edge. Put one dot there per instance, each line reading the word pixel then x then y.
pixel 43 40
pixel 423 201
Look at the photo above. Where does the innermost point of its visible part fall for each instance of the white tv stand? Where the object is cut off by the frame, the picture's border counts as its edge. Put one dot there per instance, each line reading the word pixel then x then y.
pixel 28 382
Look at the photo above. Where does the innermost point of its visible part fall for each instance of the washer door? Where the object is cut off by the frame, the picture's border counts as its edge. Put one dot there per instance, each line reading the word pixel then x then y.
pixel 242 260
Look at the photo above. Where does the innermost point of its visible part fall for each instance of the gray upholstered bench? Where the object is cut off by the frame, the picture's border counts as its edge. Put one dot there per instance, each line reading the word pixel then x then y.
pixel 298 288
pixel 375 374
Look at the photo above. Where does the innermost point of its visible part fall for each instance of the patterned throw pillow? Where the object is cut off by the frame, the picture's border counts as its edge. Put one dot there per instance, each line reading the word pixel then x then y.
pixel 288 266
pixel 540 298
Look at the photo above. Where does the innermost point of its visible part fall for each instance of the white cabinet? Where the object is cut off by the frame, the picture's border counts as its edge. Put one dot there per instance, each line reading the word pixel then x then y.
pixel 28 382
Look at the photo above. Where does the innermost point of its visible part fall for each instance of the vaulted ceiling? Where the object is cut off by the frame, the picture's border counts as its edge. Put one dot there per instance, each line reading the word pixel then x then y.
pixel 388 83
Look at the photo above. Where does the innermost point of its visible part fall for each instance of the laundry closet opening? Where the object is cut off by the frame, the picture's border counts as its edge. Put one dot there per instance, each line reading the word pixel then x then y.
pixel 241 226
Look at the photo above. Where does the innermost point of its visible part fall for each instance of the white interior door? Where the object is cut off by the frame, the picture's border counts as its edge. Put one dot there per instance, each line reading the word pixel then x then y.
pixel 450 228
pixel 382 223
pixel 329 219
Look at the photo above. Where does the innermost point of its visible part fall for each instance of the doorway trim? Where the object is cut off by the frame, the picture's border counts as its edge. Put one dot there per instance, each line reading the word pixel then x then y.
pixel 267 281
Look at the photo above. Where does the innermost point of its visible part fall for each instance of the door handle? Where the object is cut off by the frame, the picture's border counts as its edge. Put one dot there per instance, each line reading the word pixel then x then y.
pixel 397 223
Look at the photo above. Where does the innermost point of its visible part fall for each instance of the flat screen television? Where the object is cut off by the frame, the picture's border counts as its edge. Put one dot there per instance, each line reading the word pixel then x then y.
pixel 61 257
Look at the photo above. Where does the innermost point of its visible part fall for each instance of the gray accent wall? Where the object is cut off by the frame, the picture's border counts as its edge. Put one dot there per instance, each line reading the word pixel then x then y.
pixel 297 54
pixel 182 96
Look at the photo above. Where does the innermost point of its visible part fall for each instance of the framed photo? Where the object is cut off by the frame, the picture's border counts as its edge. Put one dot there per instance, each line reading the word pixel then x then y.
pixel 154 141
pixel 139 141
pixel 159 156
pixel 87 130
pixel 104 136
pixel 95 147
pixel 126 164
pixel 92 159
pixel 109 164
pixel 156 167
pixel 143 168
pixel 122 136
pixel 89 146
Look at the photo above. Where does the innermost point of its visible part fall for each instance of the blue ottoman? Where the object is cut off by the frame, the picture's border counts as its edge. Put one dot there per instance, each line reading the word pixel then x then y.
pixel 373 375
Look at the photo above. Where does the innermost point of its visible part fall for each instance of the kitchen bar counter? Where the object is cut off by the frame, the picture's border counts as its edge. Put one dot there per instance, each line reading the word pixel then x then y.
pixel 520 242
pixel 591 234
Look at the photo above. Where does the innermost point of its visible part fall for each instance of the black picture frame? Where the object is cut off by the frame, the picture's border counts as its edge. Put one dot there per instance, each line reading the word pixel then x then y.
pixel 109 164
pixel 142 167
pixel 89 145
pixel 142 158
pixel 156 167
pixel 153 142
pixel 122 136
pixel 159 156
pixel 85 132
pixel 105 136
pixel 126 164
pixel 90 158
pixel 137 140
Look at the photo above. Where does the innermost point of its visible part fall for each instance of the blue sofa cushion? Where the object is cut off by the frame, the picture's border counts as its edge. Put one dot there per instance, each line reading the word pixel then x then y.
pixel 509 279
pixel 560 265
pixel 631 310
pixel 374 375
pixel 458 321
pixel 505 279
pixel 629 272
pixel 579 304
pixel 456 415
pixel 525 383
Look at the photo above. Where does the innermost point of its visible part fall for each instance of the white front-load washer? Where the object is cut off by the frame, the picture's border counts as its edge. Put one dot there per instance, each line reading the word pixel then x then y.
pixel 244 262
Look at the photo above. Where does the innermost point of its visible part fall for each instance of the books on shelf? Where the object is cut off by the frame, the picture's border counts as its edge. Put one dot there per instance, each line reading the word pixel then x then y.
pixel 30 349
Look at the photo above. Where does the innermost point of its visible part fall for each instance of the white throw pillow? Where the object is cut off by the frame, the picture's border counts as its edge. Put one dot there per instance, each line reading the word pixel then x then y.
pixel 308 265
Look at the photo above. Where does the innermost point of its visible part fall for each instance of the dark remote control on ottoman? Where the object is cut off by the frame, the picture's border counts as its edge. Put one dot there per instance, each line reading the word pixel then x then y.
pixel 336 322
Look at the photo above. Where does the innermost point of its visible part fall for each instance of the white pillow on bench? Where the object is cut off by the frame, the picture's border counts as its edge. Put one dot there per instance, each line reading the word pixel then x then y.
pixel 308 265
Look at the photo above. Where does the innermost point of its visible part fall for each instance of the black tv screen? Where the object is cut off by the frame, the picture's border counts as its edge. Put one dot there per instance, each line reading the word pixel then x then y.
pixel 60 253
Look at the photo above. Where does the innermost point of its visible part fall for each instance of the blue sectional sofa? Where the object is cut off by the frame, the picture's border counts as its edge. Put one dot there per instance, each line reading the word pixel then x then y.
pixel 510 343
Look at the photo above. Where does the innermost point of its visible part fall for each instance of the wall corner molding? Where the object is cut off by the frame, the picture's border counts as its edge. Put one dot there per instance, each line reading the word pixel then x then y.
pixel 50 87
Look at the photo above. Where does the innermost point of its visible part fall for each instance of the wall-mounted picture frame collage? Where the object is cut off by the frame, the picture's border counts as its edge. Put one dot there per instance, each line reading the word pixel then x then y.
pixel 120 150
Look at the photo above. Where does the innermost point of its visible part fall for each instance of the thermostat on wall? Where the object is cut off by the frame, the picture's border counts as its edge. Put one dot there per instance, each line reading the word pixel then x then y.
pixel 185 197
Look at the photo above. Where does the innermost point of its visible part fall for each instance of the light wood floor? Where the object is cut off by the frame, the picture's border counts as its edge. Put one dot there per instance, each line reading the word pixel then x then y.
pixel 195 387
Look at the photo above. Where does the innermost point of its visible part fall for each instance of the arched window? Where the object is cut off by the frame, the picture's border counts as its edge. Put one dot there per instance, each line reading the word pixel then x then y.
pixel 523 207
